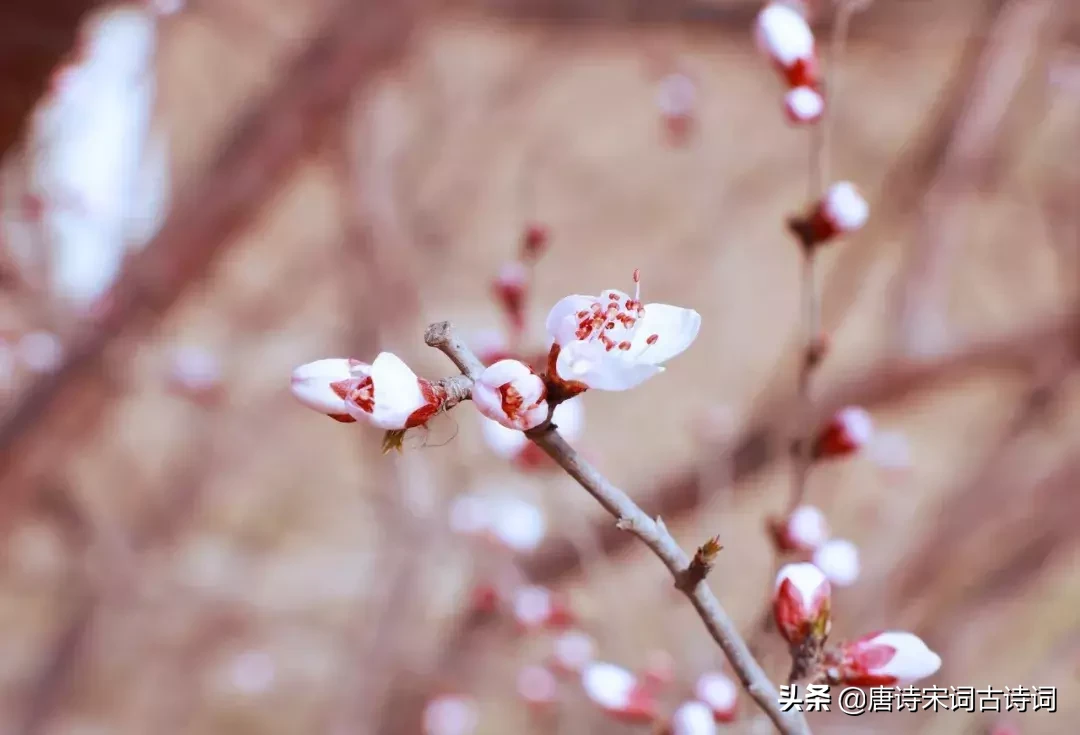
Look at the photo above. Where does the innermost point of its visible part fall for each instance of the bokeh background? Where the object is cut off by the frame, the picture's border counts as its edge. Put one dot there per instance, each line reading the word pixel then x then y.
pixel 185 549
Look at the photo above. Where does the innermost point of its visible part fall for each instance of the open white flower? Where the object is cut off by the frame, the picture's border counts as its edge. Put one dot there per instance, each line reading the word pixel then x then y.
pixel 615 342
pixel 386 393
pixel 510 393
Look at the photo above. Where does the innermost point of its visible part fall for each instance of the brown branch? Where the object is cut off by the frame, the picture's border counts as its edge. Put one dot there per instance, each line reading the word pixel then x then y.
pixel 360 38
pixel 629 517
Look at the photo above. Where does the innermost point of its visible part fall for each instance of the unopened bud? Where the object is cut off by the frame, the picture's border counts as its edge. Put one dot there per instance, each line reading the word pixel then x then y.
pixel 849 430
pixel 801 604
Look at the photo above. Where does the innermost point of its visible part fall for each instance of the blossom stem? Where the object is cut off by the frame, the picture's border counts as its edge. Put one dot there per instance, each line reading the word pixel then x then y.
pixel 653 534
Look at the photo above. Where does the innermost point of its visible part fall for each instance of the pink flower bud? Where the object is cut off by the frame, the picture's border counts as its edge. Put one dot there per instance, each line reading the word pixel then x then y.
pixel 511 287
pixel 510 393
pixel 537 686
pixel 839 560
pixel 534 241
pixel 841 211
pixel 573 650
pixel 619 693
pixel 801 603
pixel 804 105
pixel 847 432
pixel 784 36
pixel 693 718
pixel 450 715
pixel 719 693
pixel 537 607
pixel 890 658
pixel 386 394
pixel 805 529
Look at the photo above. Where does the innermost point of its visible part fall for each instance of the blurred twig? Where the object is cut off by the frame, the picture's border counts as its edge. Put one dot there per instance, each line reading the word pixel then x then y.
pixel 360 38
pixel 1021 33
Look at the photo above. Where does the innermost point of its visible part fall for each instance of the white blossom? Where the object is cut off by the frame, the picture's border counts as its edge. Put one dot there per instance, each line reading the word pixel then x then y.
pixel 614 341
pixel 386 393
pixel 511 394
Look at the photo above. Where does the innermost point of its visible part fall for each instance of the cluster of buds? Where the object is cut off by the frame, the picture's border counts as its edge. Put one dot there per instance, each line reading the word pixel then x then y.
pixel 785 38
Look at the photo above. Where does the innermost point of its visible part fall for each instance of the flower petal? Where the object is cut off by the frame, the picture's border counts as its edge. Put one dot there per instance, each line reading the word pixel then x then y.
pixel 676 329
pixel 397 393
pixel 591 364
pixel 560 324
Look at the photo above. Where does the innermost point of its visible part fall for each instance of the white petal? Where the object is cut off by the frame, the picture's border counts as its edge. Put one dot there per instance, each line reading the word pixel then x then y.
pixel 504 371
pixel 806 578
pixel 783 34
pixel 839 559
pixel 569 416
pixel 591 364
pixel 807 527
pixel 505 442
pixel 311 384
pixel 397 393
pixel 561 323
pixel 804 104
pixel 676 329
pixel 534 416
pixel 693 718
pixel 488 401
pixel 858 425
pixel 913 660
pixel 845 207
pixel 608 685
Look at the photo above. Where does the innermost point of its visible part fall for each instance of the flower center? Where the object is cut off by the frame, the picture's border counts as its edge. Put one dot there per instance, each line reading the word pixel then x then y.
pixel 612 319
pixel 359 391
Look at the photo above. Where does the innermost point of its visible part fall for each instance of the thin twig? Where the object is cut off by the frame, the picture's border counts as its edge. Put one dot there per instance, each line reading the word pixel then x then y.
pixel 653 533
